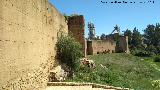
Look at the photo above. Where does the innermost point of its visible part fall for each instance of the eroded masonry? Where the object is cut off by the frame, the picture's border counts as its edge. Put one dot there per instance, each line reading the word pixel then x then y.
pixel 28 34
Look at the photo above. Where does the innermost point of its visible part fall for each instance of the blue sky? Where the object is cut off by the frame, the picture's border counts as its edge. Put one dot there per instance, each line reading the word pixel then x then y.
pixel 106 15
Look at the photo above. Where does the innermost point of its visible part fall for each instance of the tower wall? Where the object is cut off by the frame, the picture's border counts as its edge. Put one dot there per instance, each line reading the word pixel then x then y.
pixel 76 26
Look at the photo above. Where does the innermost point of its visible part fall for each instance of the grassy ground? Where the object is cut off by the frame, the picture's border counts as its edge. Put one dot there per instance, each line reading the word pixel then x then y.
pixel 122 70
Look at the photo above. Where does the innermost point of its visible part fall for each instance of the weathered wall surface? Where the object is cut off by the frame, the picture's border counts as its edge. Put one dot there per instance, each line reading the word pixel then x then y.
pixel 100 46
pixel 122 45
pixel 28 33
pixel 76 26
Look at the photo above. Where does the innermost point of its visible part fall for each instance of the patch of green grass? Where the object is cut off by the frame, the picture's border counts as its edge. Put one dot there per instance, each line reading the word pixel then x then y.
pixel 122 70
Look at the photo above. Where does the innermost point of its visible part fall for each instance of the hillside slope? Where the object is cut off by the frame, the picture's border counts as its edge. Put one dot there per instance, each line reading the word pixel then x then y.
pixel 122 70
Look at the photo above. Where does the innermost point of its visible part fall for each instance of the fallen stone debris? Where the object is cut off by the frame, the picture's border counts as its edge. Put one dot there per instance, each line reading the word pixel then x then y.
pixel 58 74
pixel 103 66
pixel 88 63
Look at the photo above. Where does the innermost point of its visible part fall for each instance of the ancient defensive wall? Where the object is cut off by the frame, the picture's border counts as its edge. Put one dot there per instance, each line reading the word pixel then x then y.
pixel 76 27
pixel 28 33
pixel 100 46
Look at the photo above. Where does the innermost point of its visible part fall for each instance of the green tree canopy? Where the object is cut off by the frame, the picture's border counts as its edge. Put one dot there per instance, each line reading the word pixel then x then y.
pixel 129 34
pixel 136 38
pixel 103 36
pixel 152 35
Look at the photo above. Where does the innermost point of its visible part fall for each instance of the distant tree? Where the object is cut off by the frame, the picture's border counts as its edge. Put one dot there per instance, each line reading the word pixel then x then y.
pixel 136 38
pixel 129 34
pixel 152 37
pixel 157 34
pixel 98 37
pixel 103 36
pixel 149 35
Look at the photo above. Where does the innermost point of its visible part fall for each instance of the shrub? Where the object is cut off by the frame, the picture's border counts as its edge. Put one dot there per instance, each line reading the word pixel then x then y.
pixel 157 59
pixel 156 84
pixel 141 53
pixel 69 51
pixel 158 49
pixel 152 49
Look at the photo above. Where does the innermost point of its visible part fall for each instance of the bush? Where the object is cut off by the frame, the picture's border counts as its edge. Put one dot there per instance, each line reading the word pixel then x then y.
pixel 141 53
pixel 156 84
pixel 157 59
pixel 152 49
pixel 69 51
pixel 158 49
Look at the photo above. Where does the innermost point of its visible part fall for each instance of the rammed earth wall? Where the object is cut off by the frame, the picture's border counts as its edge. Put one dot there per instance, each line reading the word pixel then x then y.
pixel 28 33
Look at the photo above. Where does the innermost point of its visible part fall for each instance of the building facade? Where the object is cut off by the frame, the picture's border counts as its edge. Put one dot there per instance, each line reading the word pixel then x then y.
pixel 100 46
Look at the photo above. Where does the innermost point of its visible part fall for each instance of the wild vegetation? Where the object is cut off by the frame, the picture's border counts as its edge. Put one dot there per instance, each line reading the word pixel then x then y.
pixel 146 44
pixel 69 51
pixel 139 70
pixel 122 70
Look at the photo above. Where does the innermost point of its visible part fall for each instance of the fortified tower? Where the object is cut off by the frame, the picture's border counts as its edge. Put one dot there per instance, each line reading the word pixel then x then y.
pixel 76 28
